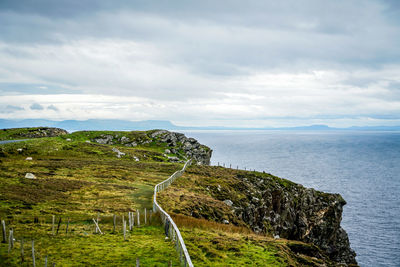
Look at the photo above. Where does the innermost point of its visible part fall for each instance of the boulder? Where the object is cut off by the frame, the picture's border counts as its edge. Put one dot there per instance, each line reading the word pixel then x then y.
pixel 29 175
pixel 28 158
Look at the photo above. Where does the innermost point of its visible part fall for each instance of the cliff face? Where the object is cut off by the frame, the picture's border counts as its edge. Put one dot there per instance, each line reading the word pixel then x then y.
pixel 266 204
pixel 294 212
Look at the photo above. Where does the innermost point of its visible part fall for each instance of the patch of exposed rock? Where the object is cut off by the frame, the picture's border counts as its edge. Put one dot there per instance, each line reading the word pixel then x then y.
pixel 290 211
pixel 41 132
pixel 179 143
pixel 177 146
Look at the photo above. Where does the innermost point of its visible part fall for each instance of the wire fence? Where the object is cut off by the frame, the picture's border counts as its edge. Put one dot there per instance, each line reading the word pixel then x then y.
pixel 170 227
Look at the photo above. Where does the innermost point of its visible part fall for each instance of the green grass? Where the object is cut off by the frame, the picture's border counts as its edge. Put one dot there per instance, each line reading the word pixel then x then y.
pixel 82 247
pixel 80 180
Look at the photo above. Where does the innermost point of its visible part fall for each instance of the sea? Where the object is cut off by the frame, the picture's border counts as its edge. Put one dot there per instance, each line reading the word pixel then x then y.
pixel 362 166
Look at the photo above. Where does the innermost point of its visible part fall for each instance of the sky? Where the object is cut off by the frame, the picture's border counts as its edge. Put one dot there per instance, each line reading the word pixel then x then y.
pixel 202 63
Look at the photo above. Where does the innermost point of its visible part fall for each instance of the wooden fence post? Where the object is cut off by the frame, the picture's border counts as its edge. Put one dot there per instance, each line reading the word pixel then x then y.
pixel 3 226
pixel 123 220
pixel 130 220
pixel 33 253
pixel 58 226
pixel 138 218
pixel 137 262
pixel 22 250
pixel 10 238
pixel 52 223
pixel 97 226
pixel 114 222
pixel 145 216
pixel 97 223
pixel 66 230
pixel 124 229
pixel 45 261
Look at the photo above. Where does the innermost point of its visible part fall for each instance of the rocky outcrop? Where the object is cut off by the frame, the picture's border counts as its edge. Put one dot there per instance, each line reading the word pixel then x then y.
pixel 266 204
pixel 179 144
pixel 36 132
pixel 177 147
pixel 290 211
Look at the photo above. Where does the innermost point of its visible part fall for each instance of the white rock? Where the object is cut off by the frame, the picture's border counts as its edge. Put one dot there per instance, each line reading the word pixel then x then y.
pixel 28 158
pixel 228 202
pixel 30 175
pixel 225 221
pixel 119 153
pixel 19 149
pixel 276 237
pixel 68 139
pixel 87 141
pixel 136 158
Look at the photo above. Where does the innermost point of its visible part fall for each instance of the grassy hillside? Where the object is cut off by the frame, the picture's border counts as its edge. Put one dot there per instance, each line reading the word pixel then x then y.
pixel 78 179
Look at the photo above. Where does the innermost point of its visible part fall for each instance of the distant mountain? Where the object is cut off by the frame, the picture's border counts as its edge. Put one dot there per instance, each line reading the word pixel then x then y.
pixel 75 125
pixel 94 124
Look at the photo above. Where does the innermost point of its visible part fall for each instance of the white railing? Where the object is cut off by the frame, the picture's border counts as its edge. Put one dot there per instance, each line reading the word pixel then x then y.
pixel 173 229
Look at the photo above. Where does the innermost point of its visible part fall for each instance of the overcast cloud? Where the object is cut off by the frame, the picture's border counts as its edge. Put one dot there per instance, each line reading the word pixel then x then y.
pixel 252 63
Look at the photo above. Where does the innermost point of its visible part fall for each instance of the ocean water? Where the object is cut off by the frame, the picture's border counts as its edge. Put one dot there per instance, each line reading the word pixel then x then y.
pixel 364 167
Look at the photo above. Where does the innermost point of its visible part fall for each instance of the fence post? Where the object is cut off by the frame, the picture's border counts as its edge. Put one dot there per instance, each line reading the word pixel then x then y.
pixel 130 221
pixel 33 253
pixel 137 262
pixel 58 226
pixel 52 223
pixel 114 222
pixel 124 230
pixel 138 218
pixel 3 226
pixel 97 226
pixel 66 230
pixel 95 230
pixel 45 261
pixel 145 216
pixel 22 250
pixel 10 239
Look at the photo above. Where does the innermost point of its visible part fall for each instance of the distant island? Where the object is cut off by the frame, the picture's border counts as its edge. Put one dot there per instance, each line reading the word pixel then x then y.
pixel 123 125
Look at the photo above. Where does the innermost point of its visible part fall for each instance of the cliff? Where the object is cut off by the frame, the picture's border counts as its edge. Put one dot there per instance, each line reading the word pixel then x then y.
pixel 264 203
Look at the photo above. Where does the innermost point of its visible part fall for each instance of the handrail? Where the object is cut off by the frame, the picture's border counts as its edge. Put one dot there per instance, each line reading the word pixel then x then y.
pixel 173 231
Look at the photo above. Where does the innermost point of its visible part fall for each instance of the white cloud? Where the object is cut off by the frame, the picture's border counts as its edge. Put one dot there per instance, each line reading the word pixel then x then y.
pixel 222 64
